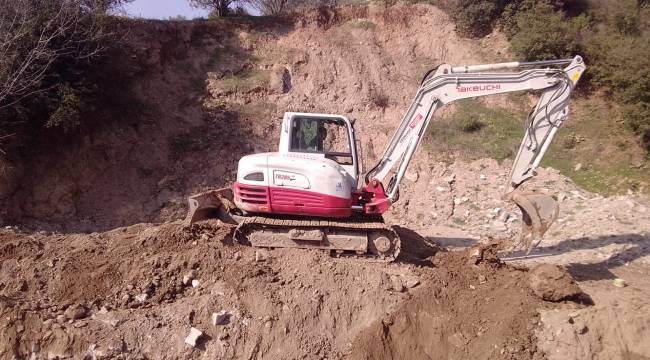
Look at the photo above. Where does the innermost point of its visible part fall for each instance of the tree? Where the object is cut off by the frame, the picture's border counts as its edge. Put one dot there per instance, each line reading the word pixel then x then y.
pixel 270 7
pixel 33 36
pixel 46 50
pixel 220 8
pixel 103 6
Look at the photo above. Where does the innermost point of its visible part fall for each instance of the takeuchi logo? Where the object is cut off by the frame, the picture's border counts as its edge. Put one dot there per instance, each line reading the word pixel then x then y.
pixel 474 88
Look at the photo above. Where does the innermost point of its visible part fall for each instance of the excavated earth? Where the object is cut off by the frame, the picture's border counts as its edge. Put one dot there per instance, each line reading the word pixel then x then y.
pixel 128 293
pixel 95 263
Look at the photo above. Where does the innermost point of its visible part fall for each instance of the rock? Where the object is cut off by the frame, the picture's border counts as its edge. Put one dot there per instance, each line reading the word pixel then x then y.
pixel 552 283
pixel 561 197
pixel 221 318
pixel 236 255
pixel 142 297
pixel 441 189
pixel 205 237
pixel 412 283
pixel 76 312
pixel 412 176
pixel 457 201
pixel 187 278
pixel 482 279
pixel 193 337
pixel 261 255
pixel 396 283
pixel 449 179
pixel 619 283
pixel 578 167
pixel 498 226
pixel 483 177
pixel 195 283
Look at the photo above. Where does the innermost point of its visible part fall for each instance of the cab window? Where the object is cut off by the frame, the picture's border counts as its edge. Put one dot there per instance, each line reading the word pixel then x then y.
pixel 327 136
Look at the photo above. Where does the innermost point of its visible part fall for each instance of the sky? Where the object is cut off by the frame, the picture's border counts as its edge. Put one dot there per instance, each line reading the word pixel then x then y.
pixel 162 9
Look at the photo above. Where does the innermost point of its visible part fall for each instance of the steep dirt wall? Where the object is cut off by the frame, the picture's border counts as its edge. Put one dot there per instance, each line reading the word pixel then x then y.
pixel 208 92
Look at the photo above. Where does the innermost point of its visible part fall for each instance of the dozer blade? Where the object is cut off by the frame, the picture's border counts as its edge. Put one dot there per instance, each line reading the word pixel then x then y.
pixel 538 212
pixel 211 204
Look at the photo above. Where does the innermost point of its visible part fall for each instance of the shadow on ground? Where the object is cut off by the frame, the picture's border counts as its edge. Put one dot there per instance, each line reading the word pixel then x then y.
pixel 637 246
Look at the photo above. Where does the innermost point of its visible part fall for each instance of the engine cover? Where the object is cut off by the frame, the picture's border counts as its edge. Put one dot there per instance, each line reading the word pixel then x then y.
pixel 292 183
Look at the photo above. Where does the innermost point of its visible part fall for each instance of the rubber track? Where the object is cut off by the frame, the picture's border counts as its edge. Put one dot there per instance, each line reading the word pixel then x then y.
pixel 341 225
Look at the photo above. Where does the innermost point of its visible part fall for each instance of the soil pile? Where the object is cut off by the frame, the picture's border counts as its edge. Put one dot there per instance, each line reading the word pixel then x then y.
pixel 483 311
pixel 137 291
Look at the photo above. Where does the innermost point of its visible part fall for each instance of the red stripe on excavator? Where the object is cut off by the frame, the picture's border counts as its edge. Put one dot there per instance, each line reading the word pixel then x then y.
pixel 283 200
pixel 415 121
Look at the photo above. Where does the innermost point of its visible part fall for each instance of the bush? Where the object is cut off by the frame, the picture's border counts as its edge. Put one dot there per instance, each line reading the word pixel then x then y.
pixel 476 18
pixel 50 48
pixel 379 99
pixel 470 124
pixel 637 116
pixel 543 33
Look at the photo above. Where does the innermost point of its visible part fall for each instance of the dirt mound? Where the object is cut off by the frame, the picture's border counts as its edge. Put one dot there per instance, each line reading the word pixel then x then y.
pixel 137 291
pixel 483 311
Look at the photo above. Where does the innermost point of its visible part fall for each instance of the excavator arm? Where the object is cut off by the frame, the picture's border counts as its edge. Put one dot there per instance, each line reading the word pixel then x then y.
pixel 446 84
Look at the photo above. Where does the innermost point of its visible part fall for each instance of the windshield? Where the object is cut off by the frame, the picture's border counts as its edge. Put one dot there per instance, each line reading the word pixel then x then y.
pixel 329 137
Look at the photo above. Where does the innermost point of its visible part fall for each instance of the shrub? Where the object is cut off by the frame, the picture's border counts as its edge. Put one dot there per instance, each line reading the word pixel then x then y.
pixel 637 116
pixel 363 24
pixel 543 33
pixel 470 124
pixel 379 99
pixel 51 51
pixel 476 18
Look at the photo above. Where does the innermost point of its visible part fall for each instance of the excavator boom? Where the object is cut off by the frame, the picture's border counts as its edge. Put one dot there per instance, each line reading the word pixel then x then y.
pixel 446 84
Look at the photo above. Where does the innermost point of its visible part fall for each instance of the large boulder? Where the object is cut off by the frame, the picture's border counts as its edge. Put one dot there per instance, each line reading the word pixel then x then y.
pixel 553 283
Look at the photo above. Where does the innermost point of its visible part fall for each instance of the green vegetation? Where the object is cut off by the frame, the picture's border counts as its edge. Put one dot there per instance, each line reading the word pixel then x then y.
pixel 245 81
pixel 49 69
pixel 363 24
pixel 612 35
pixel 475 130
pixel 611 161
pixel 476 18
pixel 610 139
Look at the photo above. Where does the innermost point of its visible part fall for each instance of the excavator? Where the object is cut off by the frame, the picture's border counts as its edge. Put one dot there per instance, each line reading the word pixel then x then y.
pixel 312 193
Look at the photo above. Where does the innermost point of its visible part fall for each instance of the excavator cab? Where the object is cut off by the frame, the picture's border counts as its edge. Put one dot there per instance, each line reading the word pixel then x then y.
pixel 330 135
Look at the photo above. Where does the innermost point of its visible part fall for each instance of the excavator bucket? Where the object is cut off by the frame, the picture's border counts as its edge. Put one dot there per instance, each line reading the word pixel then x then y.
pixel 538 212
pixel 211 204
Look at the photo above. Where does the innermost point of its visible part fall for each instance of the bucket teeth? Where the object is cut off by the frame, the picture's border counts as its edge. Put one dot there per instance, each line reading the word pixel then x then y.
pixel 538 212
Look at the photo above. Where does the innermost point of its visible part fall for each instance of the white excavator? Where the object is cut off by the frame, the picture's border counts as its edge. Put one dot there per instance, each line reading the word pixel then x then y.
pixel 312 192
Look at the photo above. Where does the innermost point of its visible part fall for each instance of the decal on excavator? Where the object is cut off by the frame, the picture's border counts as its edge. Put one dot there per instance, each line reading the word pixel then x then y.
pixel 415 121
pixel 284 178
pixel 488 87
